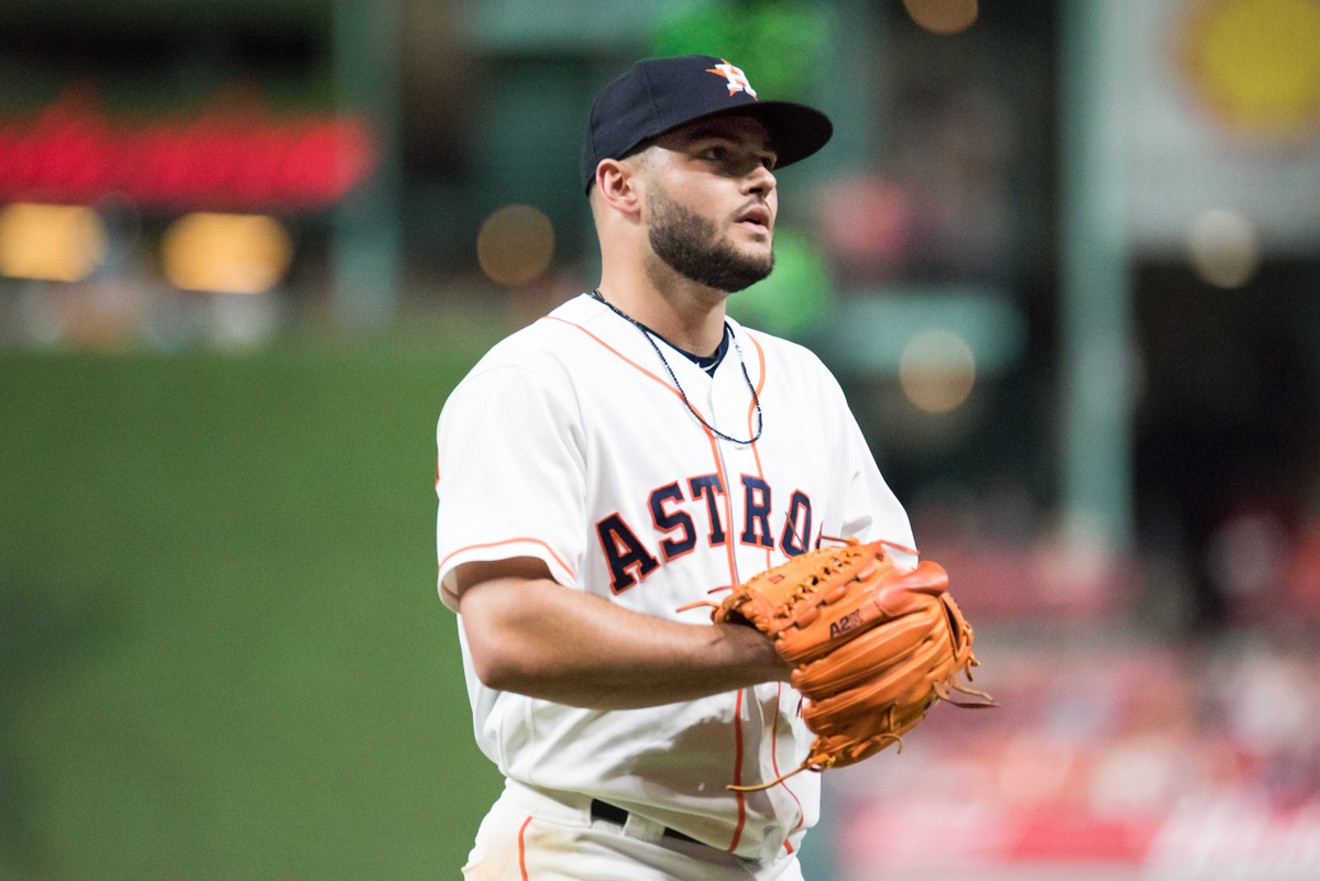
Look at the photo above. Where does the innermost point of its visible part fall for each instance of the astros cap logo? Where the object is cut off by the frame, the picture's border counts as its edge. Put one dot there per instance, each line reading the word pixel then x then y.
pixel 737 80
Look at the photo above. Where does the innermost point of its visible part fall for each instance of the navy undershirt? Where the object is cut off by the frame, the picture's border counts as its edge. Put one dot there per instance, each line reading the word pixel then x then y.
pixel 710 362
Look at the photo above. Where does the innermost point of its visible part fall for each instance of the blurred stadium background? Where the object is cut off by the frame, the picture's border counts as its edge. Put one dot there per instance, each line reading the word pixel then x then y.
pixel 1064 255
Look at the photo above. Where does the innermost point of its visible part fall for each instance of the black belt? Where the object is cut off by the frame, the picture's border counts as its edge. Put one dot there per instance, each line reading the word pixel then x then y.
pixel 603 811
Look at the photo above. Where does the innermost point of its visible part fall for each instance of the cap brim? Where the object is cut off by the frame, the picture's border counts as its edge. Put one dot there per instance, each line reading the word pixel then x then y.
pixel 796 130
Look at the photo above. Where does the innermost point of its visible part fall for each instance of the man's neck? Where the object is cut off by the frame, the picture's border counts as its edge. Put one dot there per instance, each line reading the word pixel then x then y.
pixel 689 316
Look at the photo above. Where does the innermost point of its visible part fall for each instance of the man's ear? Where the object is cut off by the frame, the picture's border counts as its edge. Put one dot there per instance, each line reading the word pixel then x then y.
pixel 618 186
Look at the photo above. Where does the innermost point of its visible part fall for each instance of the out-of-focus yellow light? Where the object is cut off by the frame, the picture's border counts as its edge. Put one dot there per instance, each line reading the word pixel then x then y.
pixel 1223 249
pixel 226 253
pixel 515 245
pixel 50 242
pixel 1256 62
pixel 937 371
pixel 943 16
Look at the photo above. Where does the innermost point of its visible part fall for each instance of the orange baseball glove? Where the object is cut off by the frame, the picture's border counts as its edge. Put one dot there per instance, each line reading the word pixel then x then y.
pixel 873 646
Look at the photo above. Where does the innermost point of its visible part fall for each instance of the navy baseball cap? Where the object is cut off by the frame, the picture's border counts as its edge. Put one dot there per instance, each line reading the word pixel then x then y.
pixel 659 94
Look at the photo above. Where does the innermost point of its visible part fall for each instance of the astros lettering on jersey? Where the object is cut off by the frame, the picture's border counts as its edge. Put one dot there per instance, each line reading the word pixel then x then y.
pixel 578 449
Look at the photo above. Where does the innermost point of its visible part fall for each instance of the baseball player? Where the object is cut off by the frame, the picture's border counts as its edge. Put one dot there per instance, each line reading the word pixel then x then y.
pixel 619 460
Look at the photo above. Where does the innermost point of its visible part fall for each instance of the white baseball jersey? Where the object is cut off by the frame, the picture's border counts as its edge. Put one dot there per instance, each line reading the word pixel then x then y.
pixel 570 442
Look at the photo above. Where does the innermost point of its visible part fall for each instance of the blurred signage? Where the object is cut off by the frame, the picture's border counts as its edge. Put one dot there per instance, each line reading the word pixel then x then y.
pixel 235 154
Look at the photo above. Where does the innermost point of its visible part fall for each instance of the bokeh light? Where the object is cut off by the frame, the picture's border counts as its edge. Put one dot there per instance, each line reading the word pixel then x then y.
pixel 1223 248
pixel 937 371
pixel 515 245
pixel 1256 63
pixel 866 218
pixel 50 242
pixel 943 16
pixel 226 253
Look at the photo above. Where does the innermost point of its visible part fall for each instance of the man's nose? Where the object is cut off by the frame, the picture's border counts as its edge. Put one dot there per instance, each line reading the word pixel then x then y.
pixel 760 180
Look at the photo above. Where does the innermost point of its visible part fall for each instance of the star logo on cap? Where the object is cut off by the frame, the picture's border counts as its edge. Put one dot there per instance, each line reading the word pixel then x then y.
pixel 736 79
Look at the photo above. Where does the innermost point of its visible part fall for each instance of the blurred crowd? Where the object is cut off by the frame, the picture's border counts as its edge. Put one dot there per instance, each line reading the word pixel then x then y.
pixel 1121 760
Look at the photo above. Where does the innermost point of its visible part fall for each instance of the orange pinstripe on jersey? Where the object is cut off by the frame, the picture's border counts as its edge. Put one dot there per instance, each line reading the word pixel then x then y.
pixel 729 549
pixel 522 848
pixel 769 559
pixel 615 352
pixel 737 771
pixel 774 763
pixel 507 541
pixel 751 412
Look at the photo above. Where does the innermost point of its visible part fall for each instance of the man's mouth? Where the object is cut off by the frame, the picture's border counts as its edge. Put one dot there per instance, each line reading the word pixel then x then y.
pixel 756 217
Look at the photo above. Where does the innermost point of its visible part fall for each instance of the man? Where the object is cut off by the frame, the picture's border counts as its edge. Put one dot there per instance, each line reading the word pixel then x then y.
pixel 617 461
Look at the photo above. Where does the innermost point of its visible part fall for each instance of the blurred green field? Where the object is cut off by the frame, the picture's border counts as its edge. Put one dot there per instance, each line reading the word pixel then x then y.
pixel 222 652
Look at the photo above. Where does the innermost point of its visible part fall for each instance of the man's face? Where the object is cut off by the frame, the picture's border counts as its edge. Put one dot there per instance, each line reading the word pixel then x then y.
pixel 711 202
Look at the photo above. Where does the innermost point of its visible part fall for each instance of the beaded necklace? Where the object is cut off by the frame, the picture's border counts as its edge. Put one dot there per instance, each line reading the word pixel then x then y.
pixel 650 336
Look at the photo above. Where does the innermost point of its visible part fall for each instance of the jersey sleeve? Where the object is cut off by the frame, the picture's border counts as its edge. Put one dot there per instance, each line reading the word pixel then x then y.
pixel 510 475
pixel 871 511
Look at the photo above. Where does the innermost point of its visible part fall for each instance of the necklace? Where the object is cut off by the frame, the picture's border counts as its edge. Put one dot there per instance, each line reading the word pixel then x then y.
pixel 650 338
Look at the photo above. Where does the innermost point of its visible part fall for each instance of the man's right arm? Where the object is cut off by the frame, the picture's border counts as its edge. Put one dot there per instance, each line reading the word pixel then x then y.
pixel 531 635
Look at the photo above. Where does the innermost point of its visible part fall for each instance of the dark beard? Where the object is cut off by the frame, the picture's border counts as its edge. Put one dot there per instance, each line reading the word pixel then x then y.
pixel 688 244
